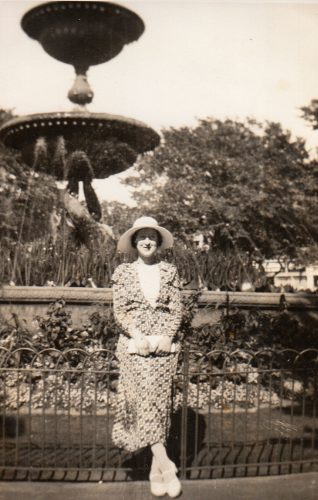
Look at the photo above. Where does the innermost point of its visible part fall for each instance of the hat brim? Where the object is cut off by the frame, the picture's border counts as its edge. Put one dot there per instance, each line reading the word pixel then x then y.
pixel 124 243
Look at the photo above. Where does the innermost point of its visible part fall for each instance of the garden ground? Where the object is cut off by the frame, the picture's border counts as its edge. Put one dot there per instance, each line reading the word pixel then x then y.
pixel 287 487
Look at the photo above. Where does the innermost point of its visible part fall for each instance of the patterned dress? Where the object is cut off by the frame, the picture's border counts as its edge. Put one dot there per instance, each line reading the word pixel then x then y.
pixel 143 405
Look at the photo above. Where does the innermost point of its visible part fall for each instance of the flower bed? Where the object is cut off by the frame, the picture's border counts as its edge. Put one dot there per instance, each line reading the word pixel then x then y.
pixel 231 362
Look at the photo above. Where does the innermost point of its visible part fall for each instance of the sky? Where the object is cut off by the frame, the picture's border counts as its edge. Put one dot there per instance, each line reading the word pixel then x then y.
pixel 195 59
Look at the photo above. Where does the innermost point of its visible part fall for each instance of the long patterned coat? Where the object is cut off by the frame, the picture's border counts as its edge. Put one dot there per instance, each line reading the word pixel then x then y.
pixel 144 388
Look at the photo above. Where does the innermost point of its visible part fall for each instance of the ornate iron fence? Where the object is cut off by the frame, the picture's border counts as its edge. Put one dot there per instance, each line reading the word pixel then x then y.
pixel 233 414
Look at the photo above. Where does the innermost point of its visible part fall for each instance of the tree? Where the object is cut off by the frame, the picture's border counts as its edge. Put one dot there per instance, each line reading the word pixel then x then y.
pixel 310 113
pixel 119 216
pixel 250 186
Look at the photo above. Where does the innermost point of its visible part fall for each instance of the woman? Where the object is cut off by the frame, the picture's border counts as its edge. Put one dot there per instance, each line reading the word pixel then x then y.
pixel 147 306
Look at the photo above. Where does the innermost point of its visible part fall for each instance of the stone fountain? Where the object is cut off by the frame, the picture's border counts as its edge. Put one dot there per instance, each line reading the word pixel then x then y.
pixel 81 34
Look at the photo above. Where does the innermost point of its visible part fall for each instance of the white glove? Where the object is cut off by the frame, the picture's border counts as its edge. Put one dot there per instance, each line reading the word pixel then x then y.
pixel 141 343
pixel 164 345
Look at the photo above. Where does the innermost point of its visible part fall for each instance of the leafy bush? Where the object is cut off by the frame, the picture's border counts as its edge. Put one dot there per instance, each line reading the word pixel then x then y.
pixel 223 361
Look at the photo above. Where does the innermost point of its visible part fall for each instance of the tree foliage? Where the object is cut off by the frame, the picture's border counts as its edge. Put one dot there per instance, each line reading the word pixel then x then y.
pixel 310 113
pixel 250 186
pixel 119 216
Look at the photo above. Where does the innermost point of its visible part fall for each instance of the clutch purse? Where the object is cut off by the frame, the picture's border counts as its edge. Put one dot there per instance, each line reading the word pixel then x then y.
pixel 153 341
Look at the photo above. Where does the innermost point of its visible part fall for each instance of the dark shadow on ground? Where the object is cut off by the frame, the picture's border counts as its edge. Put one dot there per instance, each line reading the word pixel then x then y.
pixel 195 430
pixel 11 426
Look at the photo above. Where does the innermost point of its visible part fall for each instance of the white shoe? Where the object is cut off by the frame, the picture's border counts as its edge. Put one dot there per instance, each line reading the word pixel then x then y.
pixel 157 486
pixel 172 483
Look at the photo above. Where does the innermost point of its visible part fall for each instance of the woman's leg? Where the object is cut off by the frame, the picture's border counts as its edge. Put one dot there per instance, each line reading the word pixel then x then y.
pixel 157 485
pixel 161 458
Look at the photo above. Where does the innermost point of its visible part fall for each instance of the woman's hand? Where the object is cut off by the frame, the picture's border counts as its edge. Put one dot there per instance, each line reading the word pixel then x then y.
pixel 164 345
pixel 142 345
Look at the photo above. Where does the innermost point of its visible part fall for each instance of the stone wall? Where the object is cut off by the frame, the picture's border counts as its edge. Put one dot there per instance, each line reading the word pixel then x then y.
pixel 28 302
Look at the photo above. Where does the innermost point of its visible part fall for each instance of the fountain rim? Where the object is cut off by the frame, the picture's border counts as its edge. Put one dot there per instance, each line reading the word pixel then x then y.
pixel 50 120
pixel 30 18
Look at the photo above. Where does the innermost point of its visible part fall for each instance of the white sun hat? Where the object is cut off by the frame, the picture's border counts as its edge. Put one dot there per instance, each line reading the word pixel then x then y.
pixel 125 244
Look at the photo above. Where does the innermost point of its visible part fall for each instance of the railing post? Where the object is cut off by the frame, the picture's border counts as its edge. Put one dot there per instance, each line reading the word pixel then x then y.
pixel 184 413
pixel 227 304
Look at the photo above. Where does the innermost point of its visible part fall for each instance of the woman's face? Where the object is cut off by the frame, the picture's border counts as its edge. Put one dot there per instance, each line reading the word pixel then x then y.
pixel 147 243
